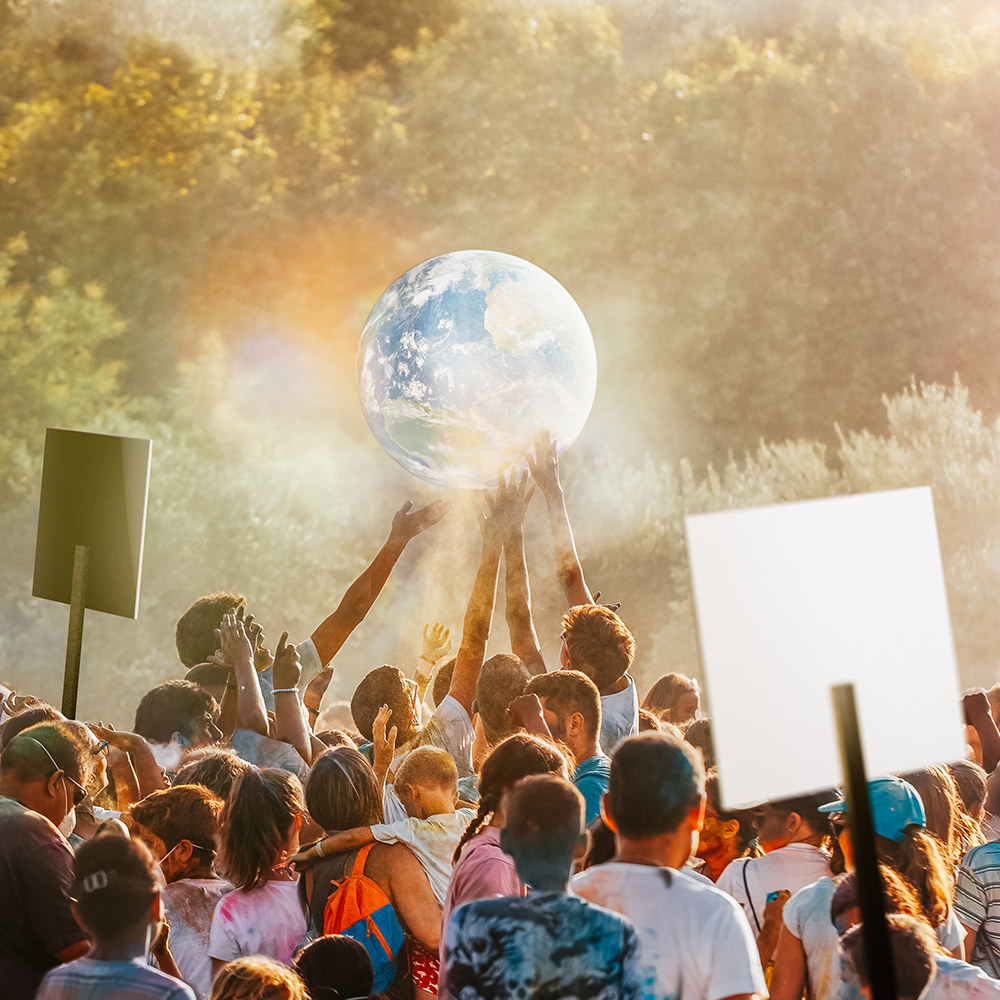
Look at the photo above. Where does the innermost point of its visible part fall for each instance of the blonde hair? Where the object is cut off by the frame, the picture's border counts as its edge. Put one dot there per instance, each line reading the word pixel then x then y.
pixel 427 767
pixel 257 978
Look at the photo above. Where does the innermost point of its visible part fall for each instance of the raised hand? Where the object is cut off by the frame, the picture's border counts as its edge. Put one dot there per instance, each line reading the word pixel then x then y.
pixel 544 467
pixel 437 642
pixel 287 671
pixel 236 646
pixel 383 744
pixel 511 503
pixel 407 523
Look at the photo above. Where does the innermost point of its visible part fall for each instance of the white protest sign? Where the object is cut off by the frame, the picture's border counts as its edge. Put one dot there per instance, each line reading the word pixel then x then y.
pixel 794 598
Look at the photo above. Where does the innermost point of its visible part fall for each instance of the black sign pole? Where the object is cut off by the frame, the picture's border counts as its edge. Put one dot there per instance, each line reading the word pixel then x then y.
pixel 74 640
pixel 874 928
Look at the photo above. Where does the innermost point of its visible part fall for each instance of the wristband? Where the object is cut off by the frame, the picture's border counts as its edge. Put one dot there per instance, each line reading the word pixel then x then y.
pixel 285 691
pixel 319 850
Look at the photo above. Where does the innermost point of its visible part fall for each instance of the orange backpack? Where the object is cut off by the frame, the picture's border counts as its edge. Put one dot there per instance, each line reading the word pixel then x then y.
pixel 358 908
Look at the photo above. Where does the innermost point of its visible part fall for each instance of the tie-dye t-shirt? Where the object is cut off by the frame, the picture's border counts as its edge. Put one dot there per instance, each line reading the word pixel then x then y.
pixel 264 921
pixel 548 945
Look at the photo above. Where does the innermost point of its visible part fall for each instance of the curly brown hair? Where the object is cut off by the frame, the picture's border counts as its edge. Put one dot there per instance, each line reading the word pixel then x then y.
pixel 598 643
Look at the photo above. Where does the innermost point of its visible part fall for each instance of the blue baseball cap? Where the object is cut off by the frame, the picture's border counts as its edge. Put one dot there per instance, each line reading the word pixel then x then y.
pixel 895 803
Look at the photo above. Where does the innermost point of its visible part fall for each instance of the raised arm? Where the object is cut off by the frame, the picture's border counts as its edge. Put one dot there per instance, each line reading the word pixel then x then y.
pixel 289 722
pixel 523 640
pixel 977 714
pixel 545 472
pixel 437 645
pixel 237 653
pixel 361 595
pixel 479 614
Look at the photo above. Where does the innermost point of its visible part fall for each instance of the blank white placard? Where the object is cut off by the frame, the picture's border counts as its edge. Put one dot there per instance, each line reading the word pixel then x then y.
pixel 794 598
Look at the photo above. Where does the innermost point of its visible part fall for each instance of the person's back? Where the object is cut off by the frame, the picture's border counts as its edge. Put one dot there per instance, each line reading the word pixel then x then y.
pixel 791 833
pixel 179 825
pixel 695 941
pixel 40 772
pixel 551 943
pixel 117 900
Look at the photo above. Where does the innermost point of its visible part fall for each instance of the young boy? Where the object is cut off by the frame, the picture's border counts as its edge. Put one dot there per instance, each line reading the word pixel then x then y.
pixel 116 899
pixel 552 943
pixel 427 785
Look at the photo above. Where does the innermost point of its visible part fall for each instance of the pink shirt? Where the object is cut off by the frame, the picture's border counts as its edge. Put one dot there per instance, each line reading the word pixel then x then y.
pixel 483 872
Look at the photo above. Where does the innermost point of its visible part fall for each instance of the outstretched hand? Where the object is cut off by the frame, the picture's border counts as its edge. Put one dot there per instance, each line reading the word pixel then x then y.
pixel 437 642
pixel 544 467
pixel 236 647
pixel 286 671
pixel 511 502
pixel 407 524
pixel 383 743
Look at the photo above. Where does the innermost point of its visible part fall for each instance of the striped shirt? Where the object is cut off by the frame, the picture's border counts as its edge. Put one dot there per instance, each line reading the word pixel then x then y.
pixel 91 979
pixel 977 901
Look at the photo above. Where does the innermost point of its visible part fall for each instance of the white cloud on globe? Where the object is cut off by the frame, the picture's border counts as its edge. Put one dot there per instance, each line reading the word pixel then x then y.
pixel 468 356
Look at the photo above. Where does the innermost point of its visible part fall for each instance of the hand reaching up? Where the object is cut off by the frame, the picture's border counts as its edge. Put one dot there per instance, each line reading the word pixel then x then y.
pixel 286 671
pixel 437 642
pixel 383 743
pixel 544 466
pixel 236 646
pixel 511 503
pixel 407 524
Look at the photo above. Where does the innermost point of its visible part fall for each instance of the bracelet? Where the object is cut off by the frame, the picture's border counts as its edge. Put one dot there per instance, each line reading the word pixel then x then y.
pixel 285 691
pixel 312 711
pixel 319 850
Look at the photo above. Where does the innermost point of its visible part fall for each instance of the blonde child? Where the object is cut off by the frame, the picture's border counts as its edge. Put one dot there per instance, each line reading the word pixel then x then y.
pixel 427 785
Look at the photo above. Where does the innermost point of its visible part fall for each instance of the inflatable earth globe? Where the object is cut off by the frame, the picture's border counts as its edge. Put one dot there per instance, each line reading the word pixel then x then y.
pixel 468 356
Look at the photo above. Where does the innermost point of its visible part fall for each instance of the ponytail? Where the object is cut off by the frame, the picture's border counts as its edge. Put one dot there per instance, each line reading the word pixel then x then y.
pixel 919 859
pixel 510 760
pixel 256 823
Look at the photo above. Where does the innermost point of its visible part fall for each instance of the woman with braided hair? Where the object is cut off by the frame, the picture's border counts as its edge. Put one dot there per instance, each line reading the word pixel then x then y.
pixel 482 869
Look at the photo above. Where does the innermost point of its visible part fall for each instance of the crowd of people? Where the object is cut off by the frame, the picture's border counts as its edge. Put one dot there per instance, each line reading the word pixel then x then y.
pixel 485 829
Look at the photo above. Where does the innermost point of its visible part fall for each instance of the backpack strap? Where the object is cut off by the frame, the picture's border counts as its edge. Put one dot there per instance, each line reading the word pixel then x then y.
pixel 746 889
pixel 359 862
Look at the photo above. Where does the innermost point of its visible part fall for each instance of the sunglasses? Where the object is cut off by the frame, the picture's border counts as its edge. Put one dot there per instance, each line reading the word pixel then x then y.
pixel 80 793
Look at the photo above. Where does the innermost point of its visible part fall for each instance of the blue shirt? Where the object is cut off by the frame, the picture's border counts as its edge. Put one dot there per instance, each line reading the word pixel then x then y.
pixel 591 779
pixel 89 979
pixel 549 944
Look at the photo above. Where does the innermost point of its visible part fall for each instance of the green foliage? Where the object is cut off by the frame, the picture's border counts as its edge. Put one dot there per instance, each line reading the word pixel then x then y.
pixel 772 221
pixel 49 338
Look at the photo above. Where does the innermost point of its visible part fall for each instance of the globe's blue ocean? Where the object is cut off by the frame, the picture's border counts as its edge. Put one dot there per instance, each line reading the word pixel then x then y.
pixel 465 358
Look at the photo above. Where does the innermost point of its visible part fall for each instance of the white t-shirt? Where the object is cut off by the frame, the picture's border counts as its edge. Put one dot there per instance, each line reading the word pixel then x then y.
pixel 696 943
pixel 807 916
pixel 266 921
pixel 450 729
pixel 957 980
pixel 792 867
pixel 619 717
pixel 432 840
pixel 262 751
pixel 190 904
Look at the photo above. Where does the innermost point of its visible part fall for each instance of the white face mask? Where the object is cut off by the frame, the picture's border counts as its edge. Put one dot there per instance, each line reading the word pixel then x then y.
pixel 68 825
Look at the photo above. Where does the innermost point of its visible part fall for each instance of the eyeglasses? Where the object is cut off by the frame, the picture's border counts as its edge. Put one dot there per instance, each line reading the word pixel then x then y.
pixel 81 793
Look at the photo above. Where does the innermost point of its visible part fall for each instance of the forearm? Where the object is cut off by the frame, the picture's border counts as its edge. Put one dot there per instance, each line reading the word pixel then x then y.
pixel 568 568
pixel 767 941
pixel 476 628
pixel 989 740
pixel 228 709
pixel 333 632
pixel 148 774
pixel 347 840
pixel 312 697
pixel 251 712
pixel 290 724
pixel 523 639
